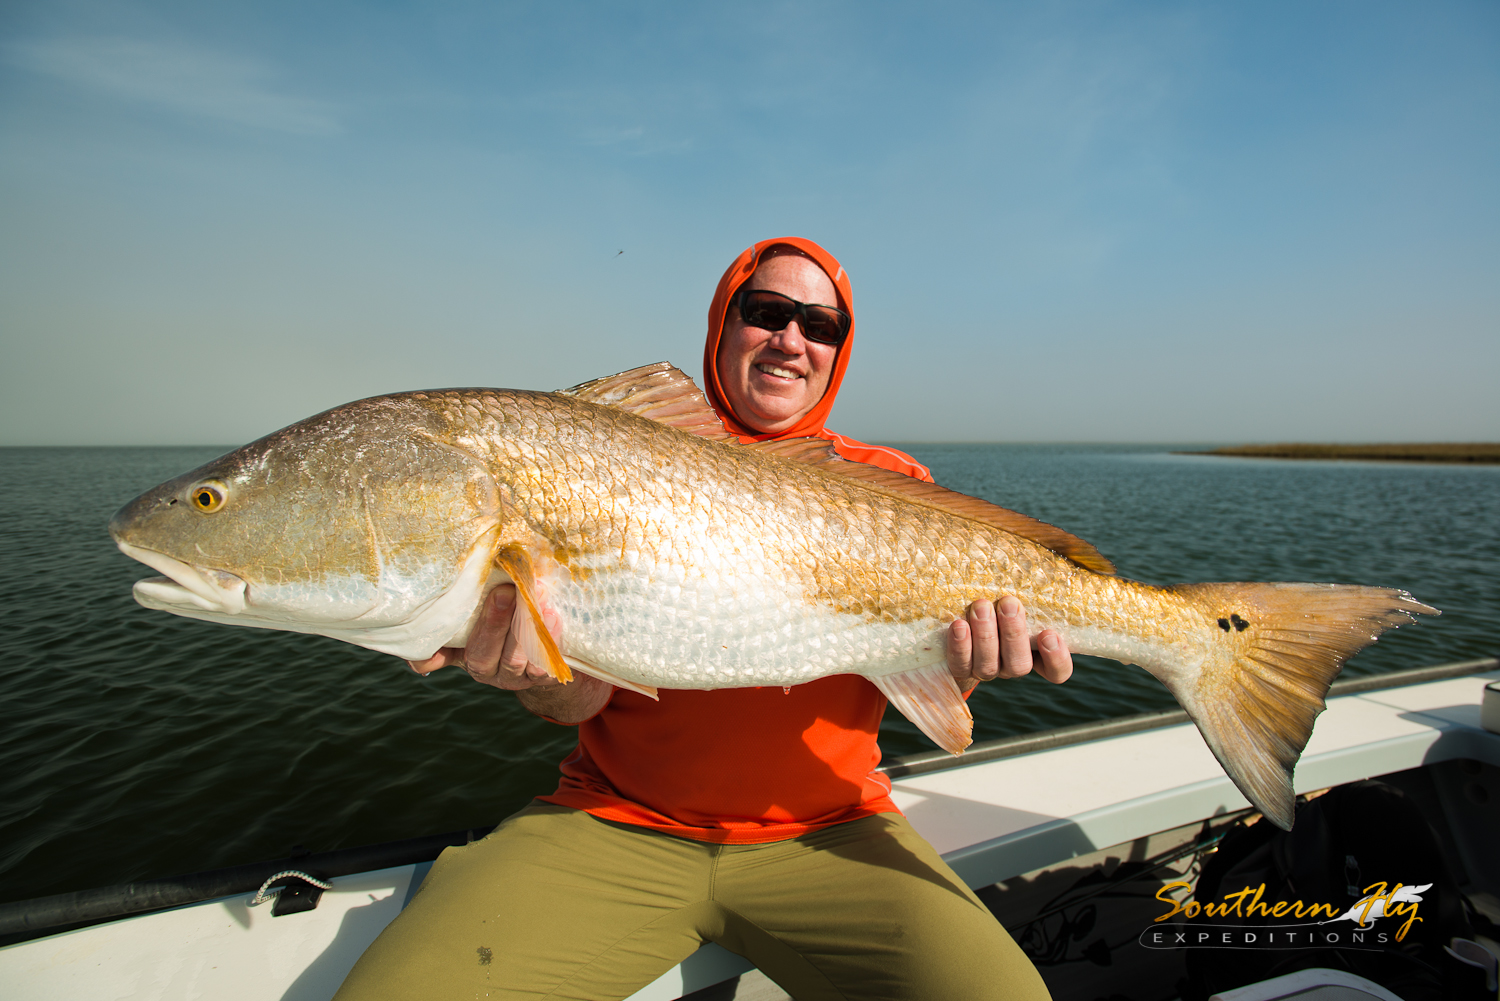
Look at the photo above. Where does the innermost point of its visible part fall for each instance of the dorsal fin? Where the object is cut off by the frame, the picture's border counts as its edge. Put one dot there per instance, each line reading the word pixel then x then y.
pixel 660 392
pixel 820 453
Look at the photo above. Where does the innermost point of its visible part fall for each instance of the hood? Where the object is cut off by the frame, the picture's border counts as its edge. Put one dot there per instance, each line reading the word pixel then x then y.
pixel 812 423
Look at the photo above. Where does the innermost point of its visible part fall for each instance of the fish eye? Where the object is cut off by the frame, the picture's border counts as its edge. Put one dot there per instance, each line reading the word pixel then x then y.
pixel 207 497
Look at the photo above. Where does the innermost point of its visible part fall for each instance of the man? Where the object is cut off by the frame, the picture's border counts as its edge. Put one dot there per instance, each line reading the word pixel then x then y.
pixel 750 817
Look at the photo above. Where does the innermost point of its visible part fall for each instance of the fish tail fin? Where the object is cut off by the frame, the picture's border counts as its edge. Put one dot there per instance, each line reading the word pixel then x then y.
pixel 929 697
pixel 1276 648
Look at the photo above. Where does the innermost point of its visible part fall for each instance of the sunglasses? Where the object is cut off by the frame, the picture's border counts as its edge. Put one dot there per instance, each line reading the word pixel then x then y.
pixel 773 311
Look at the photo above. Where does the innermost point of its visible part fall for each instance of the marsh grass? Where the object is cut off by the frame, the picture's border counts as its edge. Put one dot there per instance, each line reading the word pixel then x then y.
pixel 1481 452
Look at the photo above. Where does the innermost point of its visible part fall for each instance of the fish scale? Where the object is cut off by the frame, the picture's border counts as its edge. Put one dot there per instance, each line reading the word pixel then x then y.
pixel 674 556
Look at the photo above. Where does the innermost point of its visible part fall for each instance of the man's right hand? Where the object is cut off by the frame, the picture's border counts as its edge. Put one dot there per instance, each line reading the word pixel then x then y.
pixel 495 658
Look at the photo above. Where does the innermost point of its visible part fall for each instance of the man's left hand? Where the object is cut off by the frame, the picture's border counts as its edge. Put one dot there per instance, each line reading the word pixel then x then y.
pixel 992 641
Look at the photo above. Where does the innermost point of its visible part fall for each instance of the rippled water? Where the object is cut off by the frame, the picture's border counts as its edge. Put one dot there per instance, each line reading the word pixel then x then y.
pixel 136 744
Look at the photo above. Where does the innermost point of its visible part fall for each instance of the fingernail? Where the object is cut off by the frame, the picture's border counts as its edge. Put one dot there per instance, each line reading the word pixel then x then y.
pixel 1009 607
pixel 1048 643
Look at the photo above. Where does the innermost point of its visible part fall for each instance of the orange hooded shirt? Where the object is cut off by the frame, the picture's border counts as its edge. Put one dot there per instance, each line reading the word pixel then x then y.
pixel 743 765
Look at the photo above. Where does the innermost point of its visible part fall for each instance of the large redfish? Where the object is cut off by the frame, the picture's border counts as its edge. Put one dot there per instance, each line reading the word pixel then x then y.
pixel 674 556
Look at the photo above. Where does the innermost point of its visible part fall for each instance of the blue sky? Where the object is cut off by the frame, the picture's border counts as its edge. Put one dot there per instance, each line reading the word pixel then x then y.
pixel 1087 221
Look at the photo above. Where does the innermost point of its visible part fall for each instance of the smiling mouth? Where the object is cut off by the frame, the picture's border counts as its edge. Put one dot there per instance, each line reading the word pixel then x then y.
pixel 185 585
pixel 776 370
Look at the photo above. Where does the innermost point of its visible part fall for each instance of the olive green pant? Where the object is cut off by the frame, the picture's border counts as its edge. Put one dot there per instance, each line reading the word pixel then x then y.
pixel 558 904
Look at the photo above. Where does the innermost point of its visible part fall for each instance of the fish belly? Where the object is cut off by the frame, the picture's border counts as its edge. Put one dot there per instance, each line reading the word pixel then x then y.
pixel 686 630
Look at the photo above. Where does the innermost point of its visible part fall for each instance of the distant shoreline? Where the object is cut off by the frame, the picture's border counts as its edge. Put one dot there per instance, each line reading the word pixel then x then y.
pixel 1487 453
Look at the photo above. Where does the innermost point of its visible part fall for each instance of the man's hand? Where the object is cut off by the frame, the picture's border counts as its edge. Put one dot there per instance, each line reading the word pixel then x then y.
pixel 495 658
pixel 991 641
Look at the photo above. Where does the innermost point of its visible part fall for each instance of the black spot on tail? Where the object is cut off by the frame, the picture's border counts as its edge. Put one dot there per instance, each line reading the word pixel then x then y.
pixel 1239 624
pixel 1224 624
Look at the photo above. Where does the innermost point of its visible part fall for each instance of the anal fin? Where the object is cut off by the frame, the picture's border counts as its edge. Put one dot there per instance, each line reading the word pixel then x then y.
pixel 929 697
pixel 584 667
pixel 531 631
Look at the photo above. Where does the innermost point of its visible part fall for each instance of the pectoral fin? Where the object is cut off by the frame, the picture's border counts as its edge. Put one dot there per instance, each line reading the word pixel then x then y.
pixel 929 697
pixel 531 631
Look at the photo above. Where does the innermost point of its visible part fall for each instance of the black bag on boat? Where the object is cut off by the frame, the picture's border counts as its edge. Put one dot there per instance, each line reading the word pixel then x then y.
pixel 1350 838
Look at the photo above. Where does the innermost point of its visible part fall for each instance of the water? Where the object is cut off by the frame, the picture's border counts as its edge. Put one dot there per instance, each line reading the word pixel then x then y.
pixel 135 744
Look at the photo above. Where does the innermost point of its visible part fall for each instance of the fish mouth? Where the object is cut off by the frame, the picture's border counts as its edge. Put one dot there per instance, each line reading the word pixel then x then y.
pixel 185 585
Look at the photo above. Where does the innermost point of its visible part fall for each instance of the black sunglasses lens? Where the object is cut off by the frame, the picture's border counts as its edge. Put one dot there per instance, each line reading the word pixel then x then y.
pixel 767 313
pixel 823 326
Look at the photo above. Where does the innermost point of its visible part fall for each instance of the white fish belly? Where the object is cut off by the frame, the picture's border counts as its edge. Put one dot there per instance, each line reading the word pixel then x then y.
pixel 682 629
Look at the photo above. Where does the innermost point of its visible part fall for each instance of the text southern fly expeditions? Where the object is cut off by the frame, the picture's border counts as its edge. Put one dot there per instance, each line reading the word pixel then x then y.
pixel 1289 924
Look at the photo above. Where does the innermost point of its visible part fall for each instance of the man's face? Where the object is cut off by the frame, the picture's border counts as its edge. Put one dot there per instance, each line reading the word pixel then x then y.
pixel 772 378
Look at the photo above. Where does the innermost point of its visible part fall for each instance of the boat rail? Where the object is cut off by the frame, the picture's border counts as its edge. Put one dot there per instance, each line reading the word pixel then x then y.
pixel 21 920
